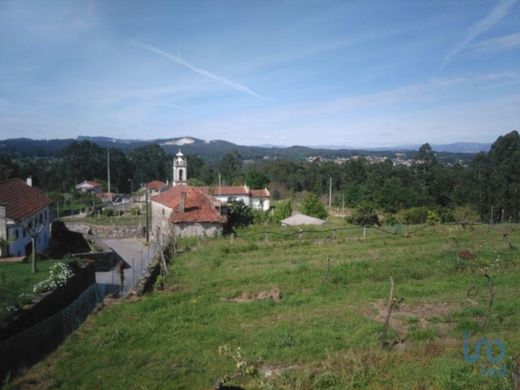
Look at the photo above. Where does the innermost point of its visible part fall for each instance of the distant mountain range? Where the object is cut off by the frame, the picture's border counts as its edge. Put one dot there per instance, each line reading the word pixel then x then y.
pixel 212 150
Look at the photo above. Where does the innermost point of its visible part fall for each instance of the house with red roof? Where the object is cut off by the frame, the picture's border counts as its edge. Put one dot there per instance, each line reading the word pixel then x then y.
pixel 184 211
pixel 257 199
pixel 24 211
pixel 156 187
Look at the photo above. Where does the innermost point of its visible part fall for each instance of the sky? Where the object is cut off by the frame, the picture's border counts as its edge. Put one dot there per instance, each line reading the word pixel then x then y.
pixel 344 73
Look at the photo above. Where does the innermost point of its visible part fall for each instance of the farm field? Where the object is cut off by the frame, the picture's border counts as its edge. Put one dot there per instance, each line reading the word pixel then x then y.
pixel 308 312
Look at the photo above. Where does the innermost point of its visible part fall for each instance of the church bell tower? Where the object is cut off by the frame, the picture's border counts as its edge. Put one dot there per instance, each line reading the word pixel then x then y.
pixel 180 169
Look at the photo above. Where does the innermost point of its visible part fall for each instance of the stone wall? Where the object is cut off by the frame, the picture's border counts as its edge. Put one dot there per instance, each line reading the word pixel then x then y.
pixel 107 231
pixel 183 230
pixel 147 280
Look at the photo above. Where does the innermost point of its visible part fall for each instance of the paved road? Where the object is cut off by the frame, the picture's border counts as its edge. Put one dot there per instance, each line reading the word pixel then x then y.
pixel 135 253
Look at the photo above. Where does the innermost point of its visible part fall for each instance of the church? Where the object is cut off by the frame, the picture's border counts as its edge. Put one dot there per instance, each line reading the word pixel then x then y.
pixel 186 211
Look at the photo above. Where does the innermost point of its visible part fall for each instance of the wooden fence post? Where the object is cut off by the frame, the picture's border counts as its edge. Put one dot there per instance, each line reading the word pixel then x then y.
pixel 364 232
pixel 300 235
pixel 334 235
pixel 266 238
pixel 232 238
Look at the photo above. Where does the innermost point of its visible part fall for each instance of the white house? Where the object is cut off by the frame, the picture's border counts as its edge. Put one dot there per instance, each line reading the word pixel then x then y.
pixel 90 186
pixel 184 211
pixel 24 210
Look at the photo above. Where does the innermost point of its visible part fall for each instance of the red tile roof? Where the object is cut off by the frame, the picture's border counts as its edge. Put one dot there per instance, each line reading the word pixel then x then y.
pixel 264 193
pixel 198 206
pixel 21 200
pixel 226 190
pixel 156 185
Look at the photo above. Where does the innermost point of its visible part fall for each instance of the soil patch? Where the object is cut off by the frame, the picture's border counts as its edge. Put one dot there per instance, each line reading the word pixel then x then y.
pixel 273 294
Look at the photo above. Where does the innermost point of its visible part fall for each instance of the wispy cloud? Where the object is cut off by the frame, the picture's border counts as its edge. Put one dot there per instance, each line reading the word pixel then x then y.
pixel 230 83
pixel 494 45
pixel 496 14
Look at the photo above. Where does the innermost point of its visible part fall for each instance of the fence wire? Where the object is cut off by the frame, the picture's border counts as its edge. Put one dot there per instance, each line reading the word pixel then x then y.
pixel 27 347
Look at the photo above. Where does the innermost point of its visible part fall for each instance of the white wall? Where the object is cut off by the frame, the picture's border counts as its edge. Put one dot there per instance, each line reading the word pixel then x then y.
pixel 261 203
pixel 160 230
pixel 17 246
pixel 183 230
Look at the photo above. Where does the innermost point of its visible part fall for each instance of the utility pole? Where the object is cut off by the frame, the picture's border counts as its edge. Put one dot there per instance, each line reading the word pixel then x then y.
pixel 108 169
pixel 147 219
pixel 219 192
pixel 330 192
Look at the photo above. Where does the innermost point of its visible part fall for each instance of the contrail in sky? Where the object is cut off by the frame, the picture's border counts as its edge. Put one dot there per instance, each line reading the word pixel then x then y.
pixel 230 83
pixel 498 12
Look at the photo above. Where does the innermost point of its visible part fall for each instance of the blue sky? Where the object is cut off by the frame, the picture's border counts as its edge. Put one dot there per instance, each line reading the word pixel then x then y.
pixel 357 73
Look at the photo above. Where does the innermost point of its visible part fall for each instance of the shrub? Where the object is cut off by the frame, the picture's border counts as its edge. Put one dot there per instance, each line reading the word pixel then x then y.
pixel 283 210
pixel 414 215
pixel 364 215
pixel 238 215
pixel 465 215
pixel 391 219
pixel 59 273
pixel 433 217
pixel 312 206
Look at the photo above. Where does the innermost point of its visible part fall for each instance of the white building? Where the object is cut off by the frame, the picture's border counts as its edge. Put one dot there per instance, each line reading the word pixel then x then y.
pixel 184 211
pixel 90 186
pixel 258 199
pixel 180 169
pixel 24 210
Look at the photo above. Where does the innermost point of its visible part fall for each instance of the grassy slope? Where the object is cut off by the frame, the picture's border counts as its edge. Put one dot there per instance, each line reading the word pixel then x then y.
pixel 327 332
pixel 17 278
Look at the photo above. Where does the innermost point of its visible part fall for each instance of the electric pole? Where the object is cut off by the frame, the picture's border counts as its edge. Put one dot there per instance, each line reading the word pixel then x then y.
pixel 147 219
pixel 330 192
pixel 108 169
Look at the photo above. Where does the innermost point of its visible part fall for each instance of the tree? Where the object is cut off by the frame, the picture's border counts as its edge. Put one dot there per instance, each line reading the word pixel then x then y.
pixel 150 163
pixel 256 179
pixel 312 206
pixel 230 165
pixel 33 229
pixel 238 215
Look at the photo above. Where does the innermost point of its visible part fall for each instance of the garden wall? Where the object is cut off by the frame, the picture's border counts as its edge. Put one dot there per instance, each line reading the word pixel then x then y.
pixel 40 327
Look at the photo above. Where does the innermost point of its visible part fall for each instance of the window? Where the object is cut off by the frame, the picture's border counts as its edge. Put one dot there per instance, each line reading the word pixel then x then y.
pixel 41 217
pixel 16 233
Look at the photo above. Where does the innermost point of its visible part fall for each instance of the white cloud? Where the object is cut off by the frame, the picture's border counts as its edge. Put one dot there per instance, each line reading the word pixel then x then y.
pixel 497 13
pixel 230 83
pixel 494 45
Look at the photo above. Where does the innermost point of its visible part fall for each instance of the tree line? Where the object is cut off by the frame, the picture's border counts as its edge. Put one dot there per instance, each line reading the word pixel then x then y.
pixel 490 181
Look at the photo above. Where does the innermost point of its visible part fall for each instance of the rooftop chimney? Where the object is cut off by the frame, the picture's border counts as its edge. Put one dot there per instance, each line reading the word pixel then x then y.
pixel 29 181
pixel 182 204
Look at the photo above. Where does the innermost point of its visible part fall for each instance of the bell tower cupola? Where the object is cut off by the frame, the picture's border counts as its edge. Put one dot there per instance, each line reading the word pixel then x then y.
pixel 180 169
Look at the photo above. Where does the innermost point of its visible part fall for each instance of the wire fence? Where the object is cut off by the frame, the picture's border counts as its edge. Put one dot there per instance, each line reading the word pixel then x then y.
pixel 27 347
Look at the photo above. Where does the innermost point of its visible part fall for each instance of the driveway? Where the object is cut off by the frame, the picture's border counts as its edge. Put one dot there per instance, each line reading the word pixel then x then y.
pixel 135 254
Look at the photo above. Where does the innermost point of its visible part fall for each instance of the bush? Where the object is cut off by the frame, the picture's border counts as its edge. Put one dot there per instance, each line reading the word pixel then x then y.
pixel 312 206
pixel 391 219
pixel 283 210
pixel 465 215
pixel 59 273
pixel 238 215
pixel 433 217
pixel 108 212
pixel 414 215
pixel 364 215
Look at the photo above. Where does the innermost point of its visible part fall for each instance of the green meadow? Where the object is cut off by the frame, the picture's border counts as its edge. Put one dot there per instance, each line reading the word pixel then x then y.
pixel 306 311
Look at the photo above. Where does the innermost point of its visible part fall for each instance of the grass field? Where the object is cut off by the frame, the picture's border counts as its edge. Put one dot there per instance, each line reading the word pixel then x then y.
pixel 17 279
pixel 325 330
